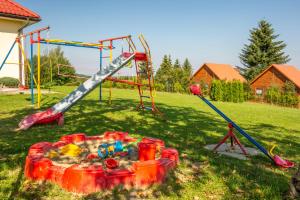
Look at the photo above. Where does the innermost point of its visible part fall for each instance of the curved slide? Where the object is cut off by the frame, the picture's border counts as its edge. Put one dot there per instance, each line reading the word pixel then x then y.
pixel 55 113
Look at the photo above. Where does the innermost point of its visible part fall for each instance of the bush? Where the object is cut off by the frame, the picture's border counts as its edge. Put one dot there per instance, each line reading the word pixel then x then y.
pixel 178 88
pixel 216 91
pixel 159 87
pixel 227 91
pixel 235 92
pixel 273 95
pixel 204 87
pixel 9 82
pixel 248 94
pixel 285 97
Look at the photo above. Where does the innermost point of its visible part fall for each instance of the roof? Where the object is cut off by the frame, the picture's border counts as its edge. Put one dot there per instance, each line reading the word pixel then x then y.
pixel 9 8
pixel 290 72
pixel 223 71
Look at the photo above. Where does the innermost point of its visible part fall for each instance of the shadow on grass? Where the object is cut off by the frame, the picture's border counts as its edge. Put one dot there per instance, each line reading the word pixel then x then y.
pixel 183 128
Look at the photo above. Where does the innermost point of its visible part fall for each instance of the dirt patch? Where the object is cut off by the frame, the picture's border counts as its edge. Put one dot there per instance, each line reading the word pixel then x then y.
pixel 235 151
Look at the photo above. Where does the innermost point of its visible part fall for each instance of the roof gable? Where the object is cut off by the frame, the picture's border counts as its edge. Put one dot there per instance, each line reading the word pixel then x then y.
pixel 10 8
pixel 223 71
pixel 290 72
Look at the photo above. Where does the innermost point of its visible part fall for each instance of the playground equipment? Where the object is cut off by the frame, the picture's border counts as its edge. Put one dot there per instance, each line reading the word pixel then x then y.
pixel 55 113
pixel 36 38
pixel 196 90
pixel 91 173
pixel 146 72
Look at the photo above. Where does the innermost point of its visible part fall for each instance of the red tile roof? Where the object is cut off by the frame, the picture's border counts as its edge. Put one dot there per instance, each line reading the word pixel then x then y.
pixel 290 72
pixel 223 72
pixel 12 9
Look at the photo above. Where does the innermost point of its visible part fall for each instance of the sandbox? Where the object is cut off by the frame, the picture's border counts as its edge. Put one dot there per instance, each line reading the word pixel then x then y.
pixel 75 164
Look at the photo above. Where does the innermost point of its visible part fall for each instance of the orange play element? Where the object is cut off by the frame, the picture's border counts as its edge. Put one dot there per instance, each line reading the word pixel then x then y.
pixel 147 151
pixel 160 144
pixel 95 177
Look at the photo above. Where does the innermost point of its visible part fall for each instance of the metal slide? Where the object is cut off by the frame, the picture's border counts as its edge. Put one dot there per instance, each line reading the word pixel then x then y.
pixel 55 113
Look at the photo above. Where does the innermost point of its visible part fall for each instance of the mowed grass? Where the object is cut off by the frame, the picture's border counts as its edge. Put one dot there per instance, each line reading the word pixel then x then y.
pixel 188 125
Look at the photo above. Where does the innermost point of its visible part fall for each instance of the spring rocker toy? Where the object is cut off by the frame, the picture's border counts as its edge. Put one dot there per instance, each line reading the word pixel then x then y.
pixel 277 160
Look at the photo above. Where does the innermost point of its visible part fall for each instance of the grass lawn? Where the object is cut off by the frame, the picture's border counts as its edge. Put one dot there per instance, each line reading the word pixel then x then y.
pixel 188 125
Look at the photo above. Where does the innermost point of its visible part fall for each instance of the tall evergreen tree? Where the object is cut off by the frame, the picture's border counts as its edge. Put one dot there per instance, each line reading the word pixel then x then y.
pixel 187 67
pixel 164 73
pixel 187 73
pixel 176 64
pixel 263 50
pixel 177 77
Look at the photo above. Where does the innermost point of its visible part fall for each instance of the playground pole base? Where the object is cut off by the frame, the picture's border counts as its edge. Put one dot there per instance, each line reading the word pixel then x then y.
pixel 232 151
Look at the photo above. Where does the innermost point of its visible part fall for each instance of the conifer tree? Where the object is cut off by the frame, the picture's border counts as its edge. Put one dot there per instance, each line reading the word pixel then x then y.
pixel 164 73
pixel 176 64
pixel 263 50
pixel 187 73
pixel 187 68
pixel 177 76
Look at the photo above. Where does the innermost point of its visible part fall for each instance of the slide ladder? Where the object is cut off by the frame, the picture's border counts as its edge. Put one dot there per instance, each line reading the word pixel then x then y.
pixel 55 113
pixel 147 73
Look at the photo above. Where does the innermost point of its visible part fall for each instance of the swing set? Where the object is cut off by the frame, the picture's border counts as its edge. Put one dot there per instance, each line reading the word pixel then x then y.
pixel 144 69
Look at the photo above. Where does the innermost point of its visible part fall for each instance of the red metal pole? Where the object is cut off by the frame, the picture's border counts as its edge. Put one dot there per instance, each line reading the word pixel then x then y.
pixel 35 31
pixel 115 38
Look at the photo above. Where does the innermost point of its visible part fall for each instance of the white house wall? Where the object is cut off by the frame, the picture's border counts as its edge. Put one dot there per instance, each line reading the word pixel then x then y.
pixel 8 33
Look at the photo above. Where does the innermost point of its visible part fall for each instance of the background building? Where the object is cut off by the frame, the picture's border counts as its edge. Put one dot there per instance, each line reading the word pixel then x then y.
pixel 13 19
pixel 276 75
pixel 209 71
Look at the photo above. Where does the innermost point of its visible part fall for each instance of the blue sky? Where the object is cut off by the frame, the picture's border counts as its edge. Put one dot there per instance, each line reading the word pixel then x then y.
pixel 202 31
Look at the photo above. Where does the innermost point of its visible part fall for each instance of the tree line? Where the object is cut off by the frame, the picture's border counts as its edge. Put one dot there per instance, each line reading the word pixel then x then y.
pixel 173 77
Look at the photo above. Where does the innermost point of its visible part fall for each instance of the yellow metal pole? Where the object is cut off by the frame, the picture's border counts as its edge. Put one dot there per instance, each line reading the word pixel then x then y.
pixel 39 70
pixel 26 60
pixel 110 53
pixel 110 60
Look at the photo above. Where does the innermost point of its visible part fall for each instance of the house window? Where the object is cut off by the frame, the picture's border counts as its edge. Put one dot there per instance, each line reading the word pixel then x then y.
pixel 258 91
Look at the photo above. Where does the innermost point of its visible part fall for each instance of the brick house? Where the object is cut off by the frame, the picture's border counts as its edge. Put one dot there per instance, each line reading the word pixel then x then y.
pixel 276 75
pixel 13 19
pixel 209 71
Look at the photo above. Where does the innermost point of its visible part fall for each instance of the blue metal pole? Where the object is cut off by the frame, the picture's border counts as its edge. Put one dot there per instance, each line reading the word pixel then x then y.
pixel 100 87
pixel 31 73
pixel 239 129
pixel 11 48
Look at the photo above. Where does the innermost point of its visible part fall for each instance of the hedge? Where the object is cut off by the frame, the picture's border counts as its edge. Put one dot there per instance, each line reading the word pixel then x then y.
pixel 9 82
pixel 231 91
pixel 285 97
